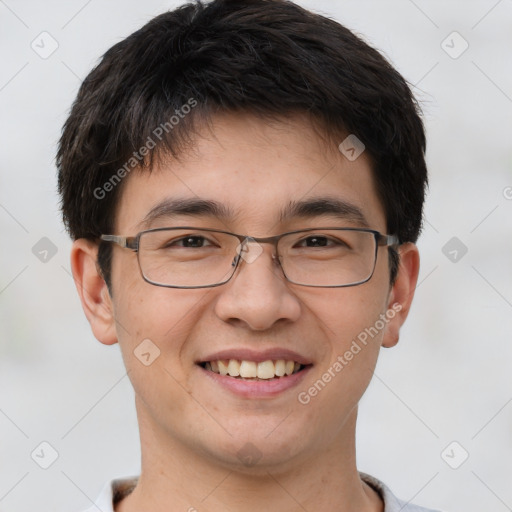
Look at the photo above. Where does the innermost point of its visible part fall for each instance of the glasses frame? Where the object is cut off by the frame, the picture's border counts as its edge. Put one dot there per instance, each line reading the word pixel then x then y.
pixel 133 243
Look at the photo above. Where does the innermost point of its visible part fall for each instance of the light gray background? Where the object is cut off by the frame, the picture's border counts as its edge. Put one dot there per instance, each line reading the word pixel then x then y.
pixel 449 378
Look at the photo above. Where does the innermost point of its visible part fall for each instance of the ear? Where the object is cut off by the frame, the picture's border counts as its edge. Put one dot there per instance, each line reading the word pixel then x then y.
pixel 93 291
pixel 402 292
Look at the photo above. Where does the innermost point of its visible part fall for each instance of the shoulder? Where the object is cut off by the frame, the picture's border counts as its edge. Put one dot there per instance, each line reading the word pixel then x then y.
pixel 112 492
pixel 391 502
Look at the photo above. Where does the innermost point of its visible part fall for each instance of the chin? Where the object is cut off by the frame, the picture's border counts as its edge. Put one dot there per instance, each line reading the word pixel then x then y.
pixel 256 452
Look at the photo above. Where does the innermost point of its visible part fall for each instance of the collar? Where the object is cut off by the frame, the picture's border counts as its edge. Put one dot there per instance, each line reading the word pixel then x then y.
pixel 115 490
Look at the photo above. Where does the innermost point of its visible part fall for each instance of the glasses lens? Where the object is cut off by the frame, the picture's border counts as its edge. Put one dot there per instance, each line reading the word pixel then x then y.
pixel 328 257
pixel 187 257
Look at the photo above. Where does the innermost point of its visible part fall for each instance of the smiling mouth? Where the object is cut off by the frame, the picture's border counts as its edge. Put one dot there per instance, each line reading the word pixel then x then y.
pixel 251 370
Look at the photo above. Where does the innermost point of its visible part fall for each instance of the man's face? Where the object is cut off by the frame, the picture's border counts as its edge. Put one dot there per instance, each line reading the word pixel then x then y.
pixel 255 170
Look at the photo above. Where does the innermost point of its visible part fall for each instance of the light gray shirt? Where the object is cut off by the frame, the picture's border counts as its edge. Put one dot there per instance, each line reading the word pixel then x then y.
pixel 115 490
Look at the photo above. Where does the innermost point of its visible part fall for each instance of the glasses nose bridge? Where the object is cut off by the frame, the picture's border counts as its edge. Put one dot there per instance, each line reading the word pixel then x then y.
pixel 267 240
pixel 247 239
pixel 273 240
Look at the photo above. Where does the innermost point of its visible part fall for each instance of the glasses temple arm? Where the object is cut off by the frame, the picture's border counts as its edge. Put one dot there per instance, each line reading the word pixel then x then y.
pixel 388 240
pixel 123 241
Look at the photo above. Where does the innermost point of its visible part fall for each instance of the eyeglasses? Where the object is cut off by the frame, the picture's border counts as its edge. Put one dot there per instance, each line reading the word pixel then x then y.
pixel 191 257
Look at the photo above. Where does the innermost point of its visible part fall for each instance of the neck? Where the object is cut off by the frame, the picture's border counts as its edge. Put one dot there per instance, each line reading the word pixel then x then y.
pixel 178 478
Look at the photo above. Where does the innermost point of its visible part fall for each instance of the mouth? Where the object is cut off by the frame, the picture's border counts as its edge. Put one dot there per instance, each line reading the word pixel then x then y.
pixel 269 370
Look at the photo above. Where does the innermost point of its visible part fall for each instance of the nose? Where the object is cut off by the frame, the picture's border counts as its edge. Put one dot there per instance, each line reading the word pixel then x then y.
pixel 258 294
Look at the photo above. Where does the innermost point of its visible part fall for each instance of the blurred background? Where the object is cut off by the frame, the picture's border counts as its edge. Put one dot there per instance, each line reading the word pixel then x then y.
pixel 436 422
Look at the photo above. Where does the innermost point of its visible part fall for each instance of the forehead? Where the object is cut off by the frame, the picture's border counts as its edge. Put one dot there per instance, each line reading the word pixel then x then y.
pixel 252 173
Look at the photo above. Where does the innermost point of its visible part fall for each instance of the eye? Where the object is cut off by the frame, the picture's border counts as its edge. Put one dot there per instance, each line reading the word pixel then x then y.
pixel 321 241
pixel 316 241
pixel 190 241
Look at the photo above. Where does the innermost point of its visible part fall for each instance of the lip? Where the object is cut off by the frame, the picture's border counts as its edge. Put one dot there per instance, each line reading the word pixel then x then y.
pixel 256 389
pixel 272 354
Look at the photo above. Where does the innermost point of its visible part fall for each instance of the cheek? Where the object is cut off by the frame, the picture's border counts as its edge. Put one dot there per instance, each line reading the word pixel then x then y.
pixel 344 313
pixel 347 319
pixel 154 325
pixel 144 310
pixel 166 316
pixel 350 320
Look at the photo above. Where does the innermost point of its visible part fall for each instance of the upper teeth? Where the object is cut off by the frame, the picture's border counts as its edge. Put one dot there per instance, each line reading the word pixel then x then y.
pixel 250 369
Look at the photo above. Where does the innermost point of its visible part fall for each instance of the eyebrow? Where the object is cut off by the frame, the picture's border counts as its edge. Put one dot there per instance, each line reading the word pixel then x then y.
pixel 318 206
pixel 195 207
pixel 303 209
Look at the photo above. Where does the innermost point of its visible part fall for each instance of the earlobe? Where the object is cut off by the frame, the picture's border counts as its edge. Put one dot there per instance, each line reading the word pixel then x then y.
pixel 93 291
pixel 402 293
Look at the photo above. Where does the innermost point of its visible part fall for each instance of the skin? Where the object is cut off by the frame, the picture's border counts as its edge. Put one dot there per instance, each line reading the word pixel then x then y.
pixel 191 430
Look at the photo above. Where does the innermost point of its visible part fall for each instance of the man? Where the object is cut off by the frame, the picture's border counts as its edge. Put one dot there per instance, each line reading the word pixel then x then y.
pixel 244 183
